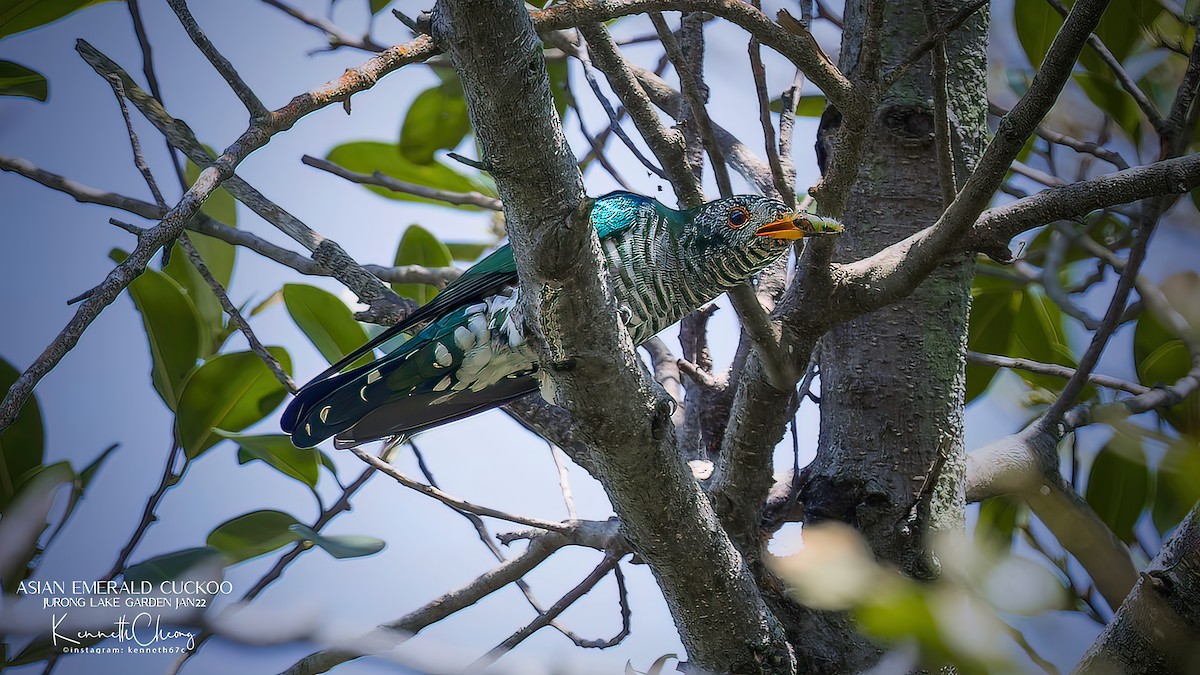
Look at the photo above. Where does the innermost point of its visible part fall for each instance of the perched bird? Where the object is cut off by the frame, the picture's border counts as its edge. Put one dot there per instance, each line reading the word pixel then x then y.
pixel 472 355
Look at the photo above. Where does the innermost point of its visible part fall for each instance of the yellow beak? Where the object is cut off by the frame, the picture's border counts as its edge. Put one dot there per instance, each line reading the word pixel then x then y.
pixel 799 225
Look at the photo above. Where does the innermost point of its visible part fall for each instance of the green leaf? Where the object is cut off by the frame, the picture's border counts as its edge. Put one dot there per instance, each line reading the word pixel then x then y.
pixel 326 320
pixel 17 80
pixel 21 15
pixel 1121 29
pixel 278 452
pixel 1038 334
pixel 812 105
pixel 172 565
pixel 22 444
pixel 1036 23
pixel 253 534
pixel 89 472
pixel 1119 484
pixel 269 302
pixel 230 392
pixel 210 317
pixel 218 256
pixel 327 462
pixel 992 314
pixel 465 252
pixel 436 120
pixel 340 546
pixel 173 328
pixel 377 6
pixel 997 523
pixel 1160 357
pixel 557 72
pixel 1176 489
pixel 370 156
pixel 419 247
pixel 1113 101
pixel 27 517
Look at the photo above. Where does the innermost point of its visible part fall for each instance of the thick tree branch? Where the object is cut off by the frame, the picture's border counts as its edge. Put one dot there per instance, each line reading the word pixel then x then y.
pixel 1002 223
pixel 586 351
pixel 1157 628
pixel 1026 464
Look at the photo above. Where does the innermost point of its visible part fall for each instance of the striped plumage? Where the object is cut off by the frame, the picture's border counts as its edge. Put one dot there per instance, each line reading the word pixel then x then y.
pixel 472 355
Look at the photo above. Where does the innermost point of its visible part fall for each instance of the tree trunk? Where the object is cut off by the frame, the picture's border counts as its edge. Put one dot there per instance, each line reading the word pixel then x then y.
pixel 892 382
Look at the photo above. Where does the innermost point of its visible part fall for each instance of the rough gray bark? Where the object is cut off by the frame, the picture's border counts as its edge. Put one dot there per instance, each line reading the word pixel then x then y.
pixel 1157 629
pixel 624 417
pixel 892 381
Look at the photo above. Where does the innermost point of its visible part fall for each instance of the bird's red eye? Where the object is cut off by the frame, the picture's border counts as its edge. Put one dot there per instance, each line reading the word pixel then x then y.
pixel 738 217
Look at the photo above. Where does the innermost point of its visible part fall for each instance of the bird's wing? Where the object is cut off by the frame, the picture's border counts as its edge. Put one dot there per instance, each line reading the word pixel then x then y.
pixel 487 277
pixel 611 214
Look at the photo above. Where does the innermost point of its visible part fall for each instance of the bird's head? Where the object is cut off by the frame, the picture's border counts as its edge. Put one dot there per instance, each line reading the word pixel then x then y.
pixel 751 220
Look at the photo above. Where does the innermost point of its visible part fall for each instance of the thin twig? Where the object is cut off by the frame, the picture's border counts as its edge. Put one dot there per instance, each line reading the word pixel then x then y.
pixel 139 29
pixel 223 66
pixel 667 144
pixel 1056 254
pixel 385 305
pixel 541 546
pixel 939 37
pixel 396 185
pixel 614 118
pixel 596 144
pixel 943 133
pixel 486 537
pixel 787 123
pixel 1123 78
pixel 1086 147
pixel 1047 179
pixel 1053 370
pixel 452 501
pixel 203 224
pixel 564 480
pixel 337 37
pixel 139 160
pixel 236 316
pixel 1116 307
pixel 342 505
pixel 606 565
pixel 149 512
